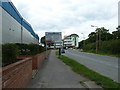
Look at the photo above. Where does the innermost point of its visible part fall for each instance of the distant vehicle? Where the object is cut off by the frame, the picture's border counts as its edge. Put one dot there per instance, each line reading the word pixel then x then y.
pixel 62 51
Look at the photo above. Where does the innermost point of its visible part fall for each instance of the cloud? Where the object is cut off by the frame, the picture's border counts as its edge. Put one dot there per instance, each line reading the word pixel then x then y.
pixel 68 16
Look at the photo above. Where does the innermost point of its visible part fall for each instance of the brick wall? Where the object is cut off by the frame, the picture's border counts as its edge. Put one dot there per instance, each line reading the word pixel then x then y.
pixel 17 75
pixel 38 59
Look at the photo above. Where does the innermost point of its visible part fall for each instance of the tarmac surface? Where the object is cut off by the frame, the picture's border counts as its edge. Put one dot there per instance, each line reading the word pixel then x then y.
pixel 105 65
pixel 55 74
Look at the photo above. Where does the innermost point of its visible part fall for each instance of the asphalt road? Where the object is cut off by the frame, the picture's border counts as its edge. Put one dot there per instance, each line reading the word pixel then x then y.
pixel 105 65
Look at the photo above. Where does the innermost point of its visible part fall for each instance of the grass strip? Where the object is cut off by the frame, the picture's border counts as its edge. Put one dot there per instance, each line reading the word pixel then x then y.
pixel 101 80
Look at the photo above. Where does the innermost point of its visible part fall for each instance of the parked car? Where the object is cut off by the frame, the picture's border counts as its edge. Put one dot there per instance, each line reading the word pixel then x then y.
pixel 62 51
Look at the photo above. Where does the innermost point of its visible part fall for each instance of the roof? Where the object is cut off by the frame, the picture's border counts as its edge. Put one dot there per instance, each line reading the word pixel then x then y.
pixel 74 35
pixel 71 35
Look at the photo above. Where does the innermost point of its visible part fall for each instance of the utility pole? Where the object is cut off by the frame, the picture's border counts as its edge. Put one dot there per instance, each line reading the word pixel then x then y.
pixel 100 38
pixel 96 42
pixel 97 36
pixel 83 39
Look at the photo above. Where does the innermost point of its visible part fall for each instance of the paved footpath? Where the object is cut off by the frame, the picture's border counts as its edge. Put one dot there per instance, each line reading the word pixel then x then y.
pixel 55 74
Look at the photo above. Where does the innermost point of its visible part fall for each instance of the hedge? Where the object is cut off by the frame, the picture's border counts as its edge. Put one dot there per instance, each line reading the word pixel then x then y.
pixel 11 51
pixel 9 54
pixel 110 47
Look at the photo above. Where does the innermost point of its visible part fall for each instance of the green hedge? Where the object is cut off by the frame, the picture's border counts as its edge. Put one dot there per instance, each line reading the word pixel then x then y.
pixel 9 54
pixel 91 46
pixel 110 47
pixel 30 49
pixel 11 51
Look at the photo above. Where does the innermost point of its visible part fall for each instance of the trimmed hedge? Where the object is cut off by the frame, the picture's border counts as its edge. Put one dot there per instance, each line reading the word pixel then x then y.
pixel 9 54
pixel 11 51
pixel 30 49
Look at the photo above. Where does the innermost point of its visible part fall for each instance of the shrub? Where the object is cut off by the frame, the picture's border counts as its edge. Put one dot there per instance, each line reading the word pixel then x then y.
pixel 33 49
pixel 23 49
pixel 90 46
pixel 9 53
pixel 109 47
pixel 30 49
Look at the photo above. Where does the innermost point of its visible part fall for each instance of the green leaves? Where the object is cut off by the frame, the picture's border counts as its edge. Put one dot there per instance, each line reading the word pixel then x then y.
pixel 9 53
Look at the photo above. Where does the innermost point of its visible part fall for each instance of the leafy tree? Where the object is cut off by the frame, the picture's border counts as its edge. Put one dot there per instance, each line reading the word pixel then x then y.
pixel 43 40
pixel 116 34
pixel 92 37
pixel 81 44
pixel 104 34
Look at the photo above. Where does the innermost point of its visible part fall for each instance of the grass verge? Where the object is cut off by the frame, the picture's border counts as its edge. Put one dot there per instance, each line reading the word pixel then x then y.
pixel 103 81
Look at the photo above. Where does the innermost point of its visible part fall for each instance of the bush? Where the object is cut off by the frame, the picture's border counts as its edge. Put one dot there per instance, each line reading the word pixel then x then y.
pixel 30 49
pixel 23 49
pixel 9 53
pixel 90 46
pixel 109 47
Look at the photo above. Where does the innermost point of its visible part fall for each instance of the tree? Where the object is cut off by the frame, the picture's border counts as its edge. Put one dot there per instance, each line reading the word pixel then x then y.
pixel 104 34
pixel 81 44
pixel 43 40
pixel 92 37
pixel 116 34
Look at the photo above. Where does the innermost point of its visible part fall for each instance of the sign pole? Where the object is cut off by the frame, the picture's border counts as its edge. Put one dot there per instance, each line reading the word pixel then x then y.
pixel 46 47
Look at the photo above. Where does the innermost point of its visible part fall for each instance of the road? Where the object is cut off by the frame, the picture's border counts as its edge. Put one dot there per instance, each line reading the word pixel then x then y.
pixel 105 65
pixel 55 74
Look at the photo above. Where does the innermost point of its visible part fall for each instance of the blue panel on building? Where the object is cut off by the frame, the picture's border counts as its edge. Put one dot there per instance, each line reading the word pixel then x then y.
pixel 10 8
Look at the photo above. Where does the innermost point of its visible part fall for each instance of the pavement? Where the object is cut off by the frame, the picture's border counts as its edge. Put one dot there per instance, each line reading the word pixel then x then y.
pixel 55 74
pixel 105 65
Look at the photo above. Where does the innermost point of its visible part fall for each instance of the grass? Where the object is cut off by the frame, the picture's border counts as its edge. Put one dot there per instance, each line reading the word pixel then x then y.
pixel 101 80
pixel 102 53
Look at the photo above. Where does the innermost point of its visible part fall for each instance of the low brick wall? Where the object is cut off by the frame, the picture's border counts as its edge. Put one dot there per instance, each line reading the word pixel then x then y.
pixel 17 75
pixel 38 59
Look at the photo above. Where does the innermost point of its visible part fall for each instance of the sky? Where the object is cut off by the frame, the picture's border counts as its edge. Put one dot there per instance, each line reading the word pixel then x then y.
pixel 69 16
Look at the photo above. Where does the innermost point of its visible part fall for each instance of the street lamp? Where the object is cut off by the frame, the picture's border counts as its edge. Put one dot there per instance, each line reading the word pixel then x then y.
pixel 83 39
pixel 96 38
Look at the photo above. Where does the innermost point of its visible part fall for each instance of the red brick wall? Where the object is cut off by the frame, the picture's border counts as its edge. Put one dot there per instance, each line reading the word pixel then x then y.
pixel 17 75
pixel 38 59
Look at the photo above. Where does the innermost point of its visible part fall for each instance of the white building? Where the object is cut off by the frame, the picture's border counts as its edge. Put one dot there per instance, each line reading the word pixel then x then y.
pixel 71 41
pixel 15 29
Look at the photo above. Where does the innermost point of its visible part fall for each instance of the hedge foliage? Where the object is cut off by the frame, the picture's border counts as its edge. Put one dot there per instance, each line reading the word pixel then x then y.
pixel 11 51
pixel 9 54
pixel 110 47
pixel 30 49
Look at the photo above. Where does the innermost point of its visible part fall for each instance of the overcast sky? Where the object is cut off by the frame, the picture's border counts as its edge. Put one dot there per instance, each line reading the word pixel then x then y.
pixel 69 16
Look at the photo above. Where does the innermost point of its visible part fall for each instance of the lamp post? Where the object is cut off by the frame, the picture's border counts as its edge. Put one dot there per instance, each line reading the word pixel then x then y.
pixel 97 34
pixel 83 39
